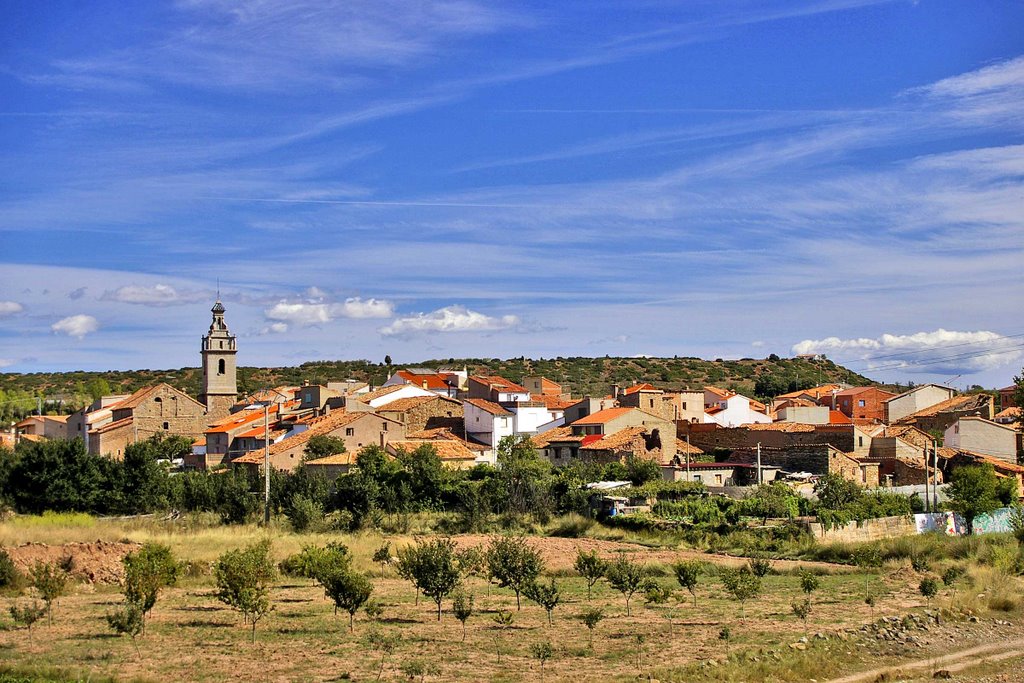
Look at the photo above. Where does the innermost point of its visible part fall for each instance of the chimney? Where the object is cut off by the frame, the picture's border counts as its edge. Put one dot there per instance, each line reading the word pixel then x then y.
pixel 615 390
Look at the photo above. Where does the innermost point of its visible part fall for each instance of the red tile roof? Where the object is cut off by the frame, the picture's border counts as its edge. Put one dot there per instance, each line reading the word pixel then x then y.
pixel 837 418
pixel 498 383
pixel 433 381
pixel 639 387
pixel 603 416
pixel 616 440
pixel 487 406
pixel 724 393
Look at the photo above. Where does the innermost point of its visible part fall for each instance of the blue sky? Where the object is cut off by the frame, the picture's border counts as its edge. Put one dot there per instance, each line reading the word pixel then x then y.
pixel 464 178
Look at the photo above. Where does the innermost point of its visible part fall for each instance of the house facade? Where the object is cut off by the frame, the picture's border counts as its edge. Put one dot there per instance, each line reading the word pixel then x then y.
pixel 918 398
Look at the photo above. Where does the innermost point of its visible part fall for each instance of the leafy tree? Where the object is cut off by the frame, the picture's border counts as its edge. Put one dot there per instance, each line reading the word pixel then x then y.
pixel 835 492
pixel 349 590
pixel 542 652
pixel 928 587
pixel 243 578
pixel 1018 396
pixel 237 501
pixel 56 475
pixel 688 574
pixel 146 572
pixel 9 575
pixel 407 567
pixel 322 445
pixel 547 596
pixel 304 512
pixel 462 607
pixel 129 620
pixel 382 556
pixel 809 583
pixel 590 567
pixel 759 566
pixel 591 617
pixel 773 500
pixel 471 561
pixel 435 570
pixel 51 582
pixel 625 576
pixel 742 584
pixel 28 615
pixel 513 564
pixel 952 575
pixel 97 387
pixel 641 470
pixel 972 492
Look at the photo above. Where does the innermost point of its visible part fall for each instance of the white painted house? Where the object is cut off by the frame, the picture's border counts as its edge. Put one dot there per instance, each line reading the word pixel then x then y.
pixel 918 398
pixel 486 421
pixel 733 411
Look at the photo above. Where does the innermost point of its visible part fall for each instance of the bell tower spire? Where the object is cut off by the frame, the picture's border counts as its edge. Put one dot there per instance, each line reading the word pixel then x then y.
pixel 220 385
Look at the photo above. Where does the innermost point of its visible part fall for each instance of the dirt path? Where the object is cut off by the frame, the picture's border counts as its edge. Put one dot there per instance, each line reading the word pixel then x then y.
pixel 954 661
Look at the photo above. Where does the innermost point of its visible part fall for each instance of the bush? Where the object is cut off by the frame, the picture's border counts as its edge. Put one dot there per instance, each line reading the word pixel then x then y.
pixel 304 513
pixel 9 575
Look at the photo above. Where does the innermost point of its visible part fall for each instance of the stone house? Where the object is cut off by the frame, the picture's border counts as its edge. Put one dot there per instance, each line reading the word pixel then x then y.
pixel 939 417
pixel 159 409
pixel 918 398
pixel 423 412
pixel 44 426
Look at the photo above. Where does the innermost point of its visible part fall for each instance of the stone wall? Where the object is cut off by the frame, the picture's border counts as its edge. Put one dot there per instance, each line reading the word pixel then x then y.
pixel 709 437
pixel 867 530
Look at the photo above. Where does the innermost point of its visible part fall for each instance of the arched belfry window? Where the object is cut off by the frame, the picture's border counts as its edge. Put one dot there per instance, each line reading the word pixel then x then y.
pixel 220 367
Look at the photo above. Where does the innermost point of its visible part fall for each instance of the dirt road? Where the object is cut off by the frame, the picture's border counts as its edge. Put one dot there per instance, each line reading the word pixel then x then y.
pixel 955 661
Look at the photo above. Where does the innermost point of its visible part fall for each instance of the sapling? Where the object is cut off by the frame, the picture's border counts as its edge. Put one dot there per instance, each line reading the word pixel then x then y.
pixel 809 583
pixel 504 621
pixel 626 577
pixel 591 617
pixel 128 620
pixel 51 581
pixel 929 587
pixel 687 574
pixel 462 607
pixel 28 615
pixel 742 584
pixel 802 610
pixel 382 556
pixel 546 595
pixel 542 652
pixel 591 567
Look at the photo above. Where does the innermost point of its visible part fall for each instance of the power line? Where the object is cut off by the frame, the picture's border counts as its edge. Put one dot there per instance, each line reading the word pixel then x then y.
pixel 938 346
pixel 933 361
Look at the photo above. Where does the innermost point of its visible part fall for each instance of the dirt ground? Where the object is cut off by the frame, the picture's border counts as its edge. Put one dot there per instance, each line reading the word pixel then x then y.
pixel 92 563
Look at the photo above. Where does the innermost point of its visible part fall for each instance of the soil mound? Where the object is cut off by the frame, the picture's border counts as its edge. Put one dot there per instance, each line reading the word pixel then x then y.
pixel 98 562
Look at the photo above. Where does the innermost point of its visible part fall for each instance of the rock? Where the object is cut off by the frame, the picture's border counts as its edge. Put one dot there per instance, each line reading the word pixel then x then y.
pixel 973 620
pixel 803 640
pixel 798 646
pixel 942 673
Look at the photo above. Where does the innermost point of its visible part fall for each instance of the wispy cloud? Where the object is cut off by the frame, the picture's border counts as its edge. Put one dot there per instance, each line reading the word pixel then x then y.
pixel 448 319
pixel 154 295
pixel 307 313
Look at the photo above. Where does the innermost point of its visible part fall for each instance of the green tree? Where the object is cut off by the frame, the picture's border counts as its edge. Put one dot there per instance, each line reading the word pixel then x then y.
pixel 51 582
pixel 546 595
pixel 688 574
pixel 802 610
pixel 625 576
pixel 97 388
pixel 590 567
pixel 929 588
pixel 243 577
pixel 349 590
pixel 57 475
pixel 146 572
pixel 28 615
pixel 462 607
pixel 435 570
pixel 128 620
pixel 742 584
pixel 542 652
pixel 382 556
pixel 972 492
pixel 835 492
pixel 809 583
pixel 304 512
pixel 513 564
pixel 773 500
pixel 322 445
pixel 642 470
pixel 591 617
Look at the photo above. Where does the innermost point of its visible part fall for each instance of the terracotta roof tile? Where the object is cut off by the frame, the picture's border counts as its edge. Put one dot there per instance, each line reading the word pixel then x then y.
pixel 433 381
pixel 499 383
pixel 962 402
pixel 616 440
pixel 336 459
pixel 111 426
pixel 816 392
pixel 724 393
pixel 379 393
pixel 791 427
pixel 557 434
pixel 603 416
pixel 403 404
pixel 446 450
pixel 487 406
pixel 639 387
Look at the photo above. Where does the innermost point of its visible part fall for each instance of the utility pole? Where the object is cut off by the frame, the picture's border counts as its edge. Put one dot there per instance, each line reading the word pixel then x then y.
pixel 687 457
pixel 935 473
pixel 927 496
pixel 758 463
pixel 266 464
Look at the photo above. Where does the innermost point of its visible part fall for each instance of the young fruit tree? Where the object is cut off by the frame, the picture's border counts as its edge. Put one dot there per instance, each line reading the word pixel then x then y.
pixel 742 584
pixel 435 570
pixel 128 621
pixel 51 582
pixel 688 574
pixel 591 617
pixel 513 564
pixel 462 607
pixel 545 595
pixel 349 590
pixel 542 652
pixel 243 578
pixel 382 556
pixel 809 583
pixel 802 610
pixel 28 615
pixel 504 621
pixel 146 572
pixel 590 567
pixel 929 588
pixel 625 576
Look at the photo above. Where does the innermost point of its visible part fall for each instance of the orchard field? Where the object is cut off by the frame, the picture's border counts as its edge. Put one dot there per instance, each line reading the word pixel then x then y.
pixel 191 635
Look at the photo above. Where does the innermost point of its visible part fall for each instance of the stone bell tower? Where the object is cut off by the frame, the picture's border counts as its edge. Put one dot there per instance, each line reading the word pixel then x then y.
pixel 220 387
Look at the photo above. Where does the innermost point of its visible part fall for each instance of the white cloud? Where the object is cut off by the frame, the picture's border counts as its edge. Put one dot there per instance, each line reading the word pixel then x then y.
pixel 757 344
pixel 304 314
pixel 448 319
pixel 275 328
pixel 10 308
pixel 76 325
pixel 5 362
pixel 156 295
pixel 940 351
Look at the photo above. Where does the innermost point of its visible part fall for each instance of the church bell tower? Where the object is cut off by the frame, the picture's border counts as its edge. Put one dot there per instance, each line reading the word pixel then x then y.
pixel 220 386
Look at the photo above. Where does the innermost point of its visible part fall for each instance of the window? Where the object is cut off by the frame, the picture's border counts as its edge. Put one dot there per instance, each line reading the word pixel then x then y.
pixel 684 405
pixel 385 427
pixel 652 402
pixel 350 431
pixel 718 479
pixel 158 399
pixel 696 477
pixel 220 366
pixel 166 426
pixel 309 397
pixel 860 441
pixel 860 403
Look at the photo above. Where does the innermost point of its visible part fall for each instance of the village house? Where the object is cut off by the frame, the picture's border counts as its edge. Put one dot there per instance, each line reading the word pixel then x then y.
pixel 1006 397
pixel 940 416
pixel 159 409
pixel 918 398
pixel 729 409
pixel 97 414
pixel 443 384
pixel 865 404
pixel 986 437
pixel 497 407
pixel 425 412
pixel 819 395
pixel 43 426
pixel 384 395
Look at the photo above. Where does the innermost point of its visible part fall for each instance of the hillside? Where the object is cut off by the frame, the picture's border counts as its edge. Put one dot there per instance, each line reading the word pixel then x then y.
pixel 581 376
